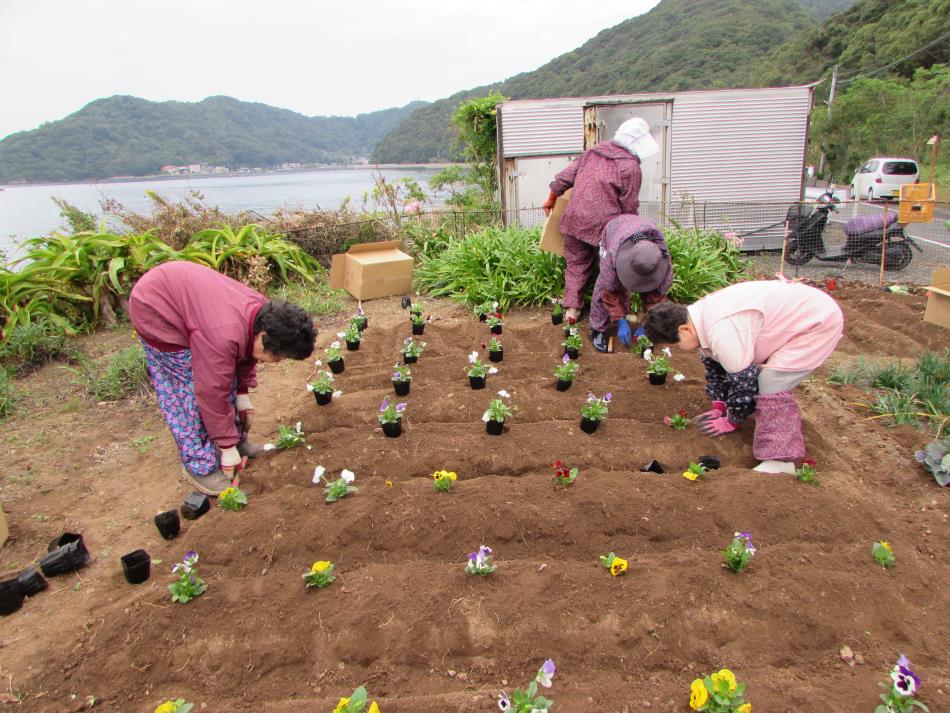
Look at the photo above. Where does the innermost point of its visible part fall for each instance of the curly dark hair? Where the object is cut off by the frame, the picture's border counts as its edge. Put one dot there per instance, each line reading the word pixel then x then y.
pixel 662 322
pixel 288 330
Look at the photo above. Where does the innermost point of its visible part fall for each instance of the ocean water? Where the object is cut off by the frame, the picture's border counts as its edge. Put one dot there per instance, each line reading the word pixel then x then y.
pixel 28 211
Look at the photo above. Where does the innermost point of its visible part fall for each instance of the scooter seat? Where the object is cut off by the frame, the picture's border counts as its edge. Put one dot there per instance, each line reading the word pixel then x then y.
pixel 867 223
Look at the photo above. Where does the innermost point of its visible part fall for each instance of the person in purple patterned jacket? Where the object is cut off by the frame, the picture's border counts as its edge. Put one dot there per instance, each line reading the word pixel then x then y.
pixel 606 183
pixel 633 258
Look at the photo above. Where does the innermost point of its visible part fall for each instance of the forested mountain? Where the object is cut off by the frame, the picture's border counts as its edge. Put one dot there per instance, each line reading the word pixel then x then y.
pixel 679 44
pixel 128 136
pixel 823 8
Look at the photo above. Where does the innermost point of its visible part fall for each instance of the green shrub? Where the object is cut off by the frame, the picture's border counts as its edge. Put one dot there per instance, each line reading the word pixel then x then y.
pixel 7 393
pixel 703 262
pixel 34 343
pixel 124 374
pixel 316 298
pixel 503 264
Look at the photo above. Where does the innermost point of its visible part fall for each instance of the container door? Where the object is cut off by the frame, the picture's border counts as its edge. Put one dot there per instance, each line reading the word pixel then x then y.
pixel 602 122
pixel 528 179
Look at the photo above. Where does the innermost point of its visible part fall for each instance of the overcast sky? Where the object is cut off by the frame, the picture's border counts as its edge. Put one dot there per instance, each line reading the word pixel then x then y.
pixel 317 58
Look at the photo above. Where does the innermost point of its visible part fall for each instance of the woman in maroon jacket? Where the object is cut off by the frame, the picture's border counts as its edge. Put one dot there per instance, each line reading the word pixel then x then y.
pixel 203 334
pixel 606 183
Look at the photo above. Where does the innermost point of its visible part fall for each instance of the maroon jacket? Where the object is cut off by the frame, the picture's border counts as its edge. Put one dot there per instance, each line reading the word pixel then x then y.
pixel 183 305
pixel 606 181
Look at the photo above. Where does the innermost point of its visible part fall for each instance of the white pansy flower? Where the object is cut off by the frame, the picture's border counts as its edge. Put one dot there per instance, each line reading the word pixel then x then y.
pixel 678 377
pixel 348 476
pixel 269 446
pixel 318 362
pixel 318 473
pixel 335 345
pixel 666 350
pixel 473 357
pixel 310 388
pixel 648 354
pixel 297 427
pixel 485 417
pixel 341 335
pixel 504 394
pixel 492 370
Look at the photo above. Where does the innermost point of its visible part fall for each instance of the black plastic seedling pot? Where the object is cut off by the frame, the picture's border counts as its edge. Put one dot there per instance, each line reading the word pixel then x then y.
pixel 337 366
pixel 709 462
pixel 31 582
pixel 323 398
pixel 497 355
pixel 393 430
pixel 477 382
pixel 572 353
pixel 653 467
pixel 494 428
pixel 418 329
pixel 402 387
pixel 68 538
pixel 11 596
pixel 589 425
pixel 352 346
pixel 557 318
pixel 136 566
pixel 195 505
pixel 168 524
pixel 64 558
pixel 657 379
pixel 563 385
pixel 409 359
pixel 496 329
pixel 482 316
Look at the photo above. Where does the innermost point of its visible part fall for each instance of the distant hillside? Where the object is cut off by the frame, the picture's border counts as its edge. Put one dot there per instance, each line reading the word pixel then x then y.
pixel 823 8
pixel 679 44
pixel 128 136
pixel 871 35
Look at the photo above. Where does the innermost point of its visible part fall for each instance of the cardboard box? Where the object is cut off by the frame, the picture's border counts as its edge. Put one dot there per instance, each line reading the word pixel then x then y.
pixel 372 270
pixel 551 239
pixel 4 531
pixel 917 203
pixel 938 301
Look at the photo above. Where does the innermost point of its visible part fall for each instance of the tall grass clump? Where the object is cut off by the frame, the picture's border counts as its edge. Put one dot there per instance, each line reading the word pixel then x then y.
pixel 703 262
pixel 30 345
pixel 906 394
pixel 7 393
pixel 503 264
pixel 317 298
pixel 124 374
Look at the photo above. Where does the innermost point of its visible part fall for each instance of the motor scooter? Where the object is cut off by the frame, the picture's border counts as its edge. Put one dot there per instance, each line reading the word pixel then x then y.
pixel 805 227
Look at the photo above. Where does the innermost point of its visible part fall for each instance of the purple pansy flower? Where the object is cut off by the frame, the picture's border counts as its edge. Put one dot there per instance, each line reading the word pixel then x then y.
pixel 503 703
pixel 546 673
pixel 906 682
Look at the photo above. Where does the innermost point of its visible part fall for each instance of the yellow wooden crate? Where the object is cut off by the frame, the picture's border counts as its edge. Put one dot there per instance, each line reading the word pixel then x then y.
pixel 917 203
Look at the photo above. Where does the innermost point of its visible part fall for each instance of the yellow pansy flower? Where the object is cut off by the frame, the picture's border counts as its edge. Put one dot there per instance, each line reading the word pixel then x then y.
pixel 167 707
pixel 724 676
pixel 375 708
pixel 744 708
pixel 444 475
pixel 227 492
pixel 321 566
pixel 389 483
pixel 698 695
pixel 886 546
pixel 689 475
pixel 342 705
pixel 618 566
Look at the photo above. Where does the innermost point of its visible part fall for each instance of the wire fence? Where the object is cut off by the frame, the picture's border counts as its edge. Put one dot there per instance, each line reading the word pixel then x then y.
pixel 847 245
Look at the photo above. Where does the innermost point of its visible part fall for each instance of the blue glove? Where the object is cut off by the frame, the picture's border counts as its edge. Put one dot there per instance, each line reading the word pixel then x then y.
pixel 641 332
pixel 623 332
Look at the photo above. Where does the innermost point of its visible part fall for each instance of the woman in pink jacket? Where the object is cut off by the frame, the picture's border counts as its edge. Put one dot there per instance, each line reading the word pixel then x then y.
pixel 203 334
pixel 606 183
pixel 758 341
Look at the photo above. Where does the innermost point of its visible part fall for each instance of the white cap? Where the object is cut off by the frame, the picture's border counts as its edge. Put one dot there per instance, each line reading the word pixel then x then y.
pixel 634 135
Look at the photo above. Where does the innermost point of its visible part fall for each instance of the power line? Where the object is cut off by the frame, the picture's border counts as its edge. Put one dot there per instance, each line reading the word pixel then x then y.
pixel 926 47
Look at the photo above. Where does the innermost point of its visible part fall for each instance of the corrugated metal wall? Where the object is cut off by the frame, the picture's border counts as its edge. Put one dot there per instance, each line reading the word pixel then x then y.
pixel 540 129
pixel 753 140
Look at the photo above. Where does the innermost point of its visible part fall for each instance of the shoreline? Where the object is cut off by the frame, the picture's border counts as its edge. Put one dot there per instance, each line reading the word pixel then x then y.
pixel 198 176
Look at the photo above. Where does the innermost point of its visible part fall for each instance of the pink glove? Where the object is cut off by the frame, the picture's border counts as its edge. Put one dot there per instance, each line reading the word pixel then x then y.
pixel 718 410
pixel 718 427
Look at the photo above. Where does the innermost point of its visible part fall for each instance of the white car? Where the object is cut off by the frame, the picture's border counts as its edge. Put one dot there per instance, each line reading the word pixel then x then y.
pixel 883 178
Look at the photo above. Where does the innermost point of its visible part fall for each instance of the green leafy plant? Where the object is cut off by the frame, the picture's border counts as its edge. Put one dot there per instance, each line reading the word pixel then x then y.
pixel 659 365
pixel 494 345
pixel 443 480
pixel 563 475
pixel 901 690
pixel 738 554
pixel 322 384
pixel 320 574
pixel 935 458
pixel 807 473
pixel 290 437
pixel 232 499
pixel 356 703
pixel 8 395
pixel 694 471
pixel 678 421
pixel 703 261
pixel 401 373
pixel 495 319
pixel 718 693
pixel 642 345
pixel 418 319
pixel 334 352
pixel 595 409
pixel 883 554
pixel 352 333
pixel 498 410
pixel 189 584
pixel 390 411
pixel 567 369
pixel 34 343
pixel 477 369
pixel 179 705
pixel 557 307
pixel 481 562
pixel 528 700
pixel 412 348
pixel 572 339
pixel 335 489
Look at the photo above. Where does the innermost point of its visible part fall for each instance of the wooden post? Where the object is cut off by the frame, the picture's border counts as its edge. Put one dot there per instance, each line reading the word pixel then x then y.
pixel 880 282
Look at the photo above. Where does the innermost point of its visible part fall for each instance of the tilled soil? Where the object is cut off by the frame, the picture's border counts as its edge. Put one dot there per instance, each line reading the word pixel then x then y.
pixel 404 619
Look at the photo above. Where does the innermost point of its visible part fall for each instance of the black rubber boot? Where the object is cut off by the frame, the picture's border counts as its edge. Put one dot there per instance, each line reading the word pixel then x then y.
pixel 599 340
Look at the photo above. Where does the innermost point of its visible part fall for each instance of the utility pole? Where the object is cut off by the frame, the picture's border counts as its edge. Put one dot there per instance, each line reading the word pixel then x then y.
pixel 831 100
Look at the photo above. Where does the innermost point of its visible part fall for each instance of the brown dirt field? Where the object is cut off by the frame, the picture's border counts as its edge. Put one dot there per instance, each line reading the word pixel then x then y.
pixel 403 618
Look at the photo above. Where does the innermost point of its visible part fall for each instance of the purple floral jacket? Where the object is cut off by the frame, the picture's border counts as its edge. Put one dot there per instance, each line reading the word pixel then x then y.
pixel 606 182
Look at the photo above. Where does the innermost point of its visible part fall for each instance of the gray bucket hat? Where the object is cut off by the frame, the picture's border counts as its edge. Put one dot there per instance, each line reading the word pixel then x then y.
pixel 641 266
